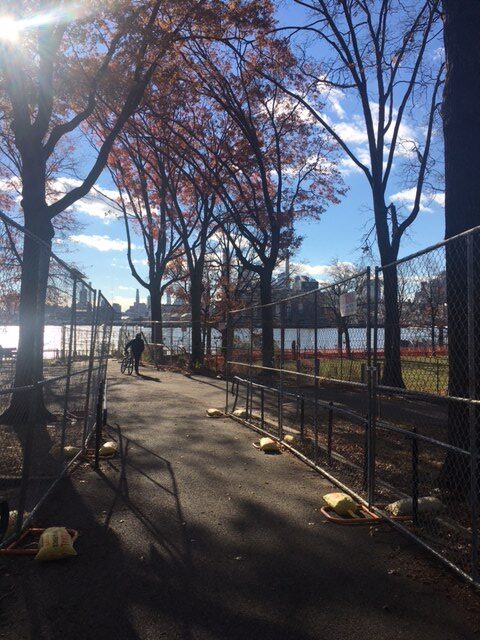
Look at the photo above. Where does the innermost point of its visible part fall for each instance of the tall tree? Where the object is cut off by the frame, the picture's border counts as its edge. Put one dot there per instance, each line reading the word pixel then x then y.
pixel 380 53
pixel 270 167
pixel 144 204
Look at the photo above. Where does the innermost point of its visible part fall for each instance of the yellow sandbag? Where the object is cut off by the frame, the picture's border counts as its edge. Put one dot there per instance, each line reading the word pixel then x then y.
pixel 214 413
pixel 341 503
pixel 108 449
pixel 68 451
pixel 55 543
pixel 267 444
pixel 289 439
pixel 240 413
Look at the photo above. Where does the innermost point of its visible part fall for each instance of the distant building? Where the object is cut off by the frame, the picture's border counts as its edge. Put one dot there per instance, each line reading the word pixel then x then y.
pixel 117 311
pixel 139 310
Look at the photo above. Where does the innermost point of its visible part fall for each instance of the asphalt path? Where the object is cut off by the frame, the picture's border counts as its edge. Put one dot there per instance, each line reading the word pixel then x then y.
pixel 193 534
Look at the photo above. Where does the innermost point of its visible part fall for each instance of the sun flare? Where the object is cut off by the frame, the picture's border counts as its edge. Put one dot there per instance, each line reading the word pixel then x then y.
pixel 9 29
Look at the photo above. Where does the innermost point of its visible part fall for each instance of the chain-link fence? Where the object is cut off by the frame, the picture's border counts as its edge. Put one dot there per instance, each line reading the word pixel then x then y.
pixel 54 342
pixel 426 356
pixel 377 377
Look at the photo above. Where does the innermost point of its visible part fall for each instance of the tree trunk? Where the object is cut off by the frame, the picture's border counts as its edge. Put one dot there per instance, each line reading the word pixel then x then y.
pixel 432 333
pixel 157 326
pixel 392 371
pixel 267 318
pixel 209 339
pixel 196 357
pixel 461 126
pixel 348 347
pixel 440 336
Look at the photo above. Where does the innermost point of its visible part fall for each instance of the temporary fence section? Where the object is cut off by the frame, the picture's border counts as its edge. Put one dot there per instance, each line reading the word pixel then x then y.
pixel 50 387
pixel 377 378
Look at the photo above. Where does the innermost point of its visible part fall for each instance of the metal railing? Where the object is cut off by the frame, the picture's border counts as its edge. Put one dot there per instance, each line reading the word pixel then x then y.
pixel 378 378
pixel 50 386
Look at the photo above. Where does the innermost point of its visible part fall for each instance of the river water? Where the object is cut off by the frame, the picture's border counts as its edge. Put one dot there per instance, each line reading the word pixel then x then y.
pixel 180 337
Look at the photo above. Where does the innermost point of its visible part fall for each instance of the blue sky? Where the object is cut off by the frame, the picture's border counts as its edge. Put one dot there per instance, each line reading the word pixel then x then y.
pixel 98 248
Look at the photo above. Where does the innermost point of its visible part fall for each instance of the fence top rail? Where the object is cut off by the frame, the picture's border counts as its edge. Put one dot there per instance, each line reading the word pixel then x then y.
pixel 432 247
pixel 323 404
pixel 410 435
pixel 72 271
pixel 313 292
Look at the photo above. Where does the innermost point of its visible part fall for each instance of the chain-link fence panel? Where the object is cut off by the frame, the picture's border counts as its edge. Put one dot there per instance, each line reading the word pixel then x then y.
pixel 54 335
pixel 426 387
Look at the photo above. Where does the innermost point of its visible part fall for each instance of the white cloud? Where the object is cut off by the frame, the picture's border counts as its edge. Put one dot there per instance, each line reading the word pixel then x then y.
pixel 122 288
pixel 123 301
pixel 101 243
pixel 334 99
pixel 407 198
pixel 96 204
pixel 347 166
pixel 352 132
pixel 322 272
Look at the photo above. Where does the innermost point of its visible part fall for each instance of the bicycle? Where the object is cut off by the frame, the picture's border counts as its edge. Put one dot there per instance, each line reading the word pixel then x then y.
pixel 127 364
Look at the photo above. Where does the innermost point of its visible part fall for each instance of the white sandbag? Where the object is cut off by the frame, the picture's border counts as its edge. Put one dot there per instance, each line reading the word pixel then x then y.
pixel 268 445
pixel 240 413
pixel 426 505
pixel 214 413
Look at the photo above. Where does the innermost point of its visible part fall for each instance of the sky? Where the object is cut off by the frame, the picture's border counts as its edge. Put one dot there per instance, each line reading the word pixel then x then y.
pixel 98 247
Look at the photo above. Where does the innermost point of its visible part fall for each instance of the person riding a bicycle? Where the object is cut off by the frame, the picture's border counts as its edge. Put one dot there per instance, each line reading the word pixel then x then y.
pixel 136 346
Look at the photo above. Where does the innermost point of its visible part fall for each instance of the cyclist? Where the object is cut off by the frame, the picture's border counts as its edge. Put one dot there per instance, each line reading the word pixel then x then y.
pixel 137 345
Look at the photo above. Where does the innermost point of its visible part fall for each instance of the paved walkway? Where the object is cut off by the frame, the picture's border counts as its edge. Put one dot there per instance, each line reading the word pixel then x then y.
pixel 193 534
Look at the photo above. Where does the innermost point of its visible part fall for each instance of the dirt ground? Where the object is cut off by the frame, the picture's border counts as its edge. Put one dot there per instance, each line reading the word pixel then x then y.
pixel 192 534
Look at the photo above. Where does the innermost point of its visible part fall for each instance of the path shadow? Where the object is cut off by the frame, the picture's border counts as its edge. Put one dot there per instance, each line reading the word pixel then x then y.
pixel 145 377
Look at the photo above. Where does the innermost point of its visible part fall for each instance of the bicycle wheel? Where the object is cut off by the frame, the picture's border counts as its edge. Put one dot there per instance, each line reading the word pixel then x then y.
pixel 130 366
pixel 123 366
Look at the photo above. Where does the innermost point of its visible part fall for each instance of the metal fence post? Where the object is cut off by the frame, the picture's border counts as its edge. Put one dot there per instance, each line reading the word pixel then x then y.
pixel 262 407
pixel 99 425
pixel 316 374
pixel 250 370
pixel 370 442
pixel 372 357
pixel 27 455
pixel 414 477
pixel 71 355
pixel 472 410
pixel 226 355
pixel 302 418
pixel 91 364
pixel 329 433
pixel 282 364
